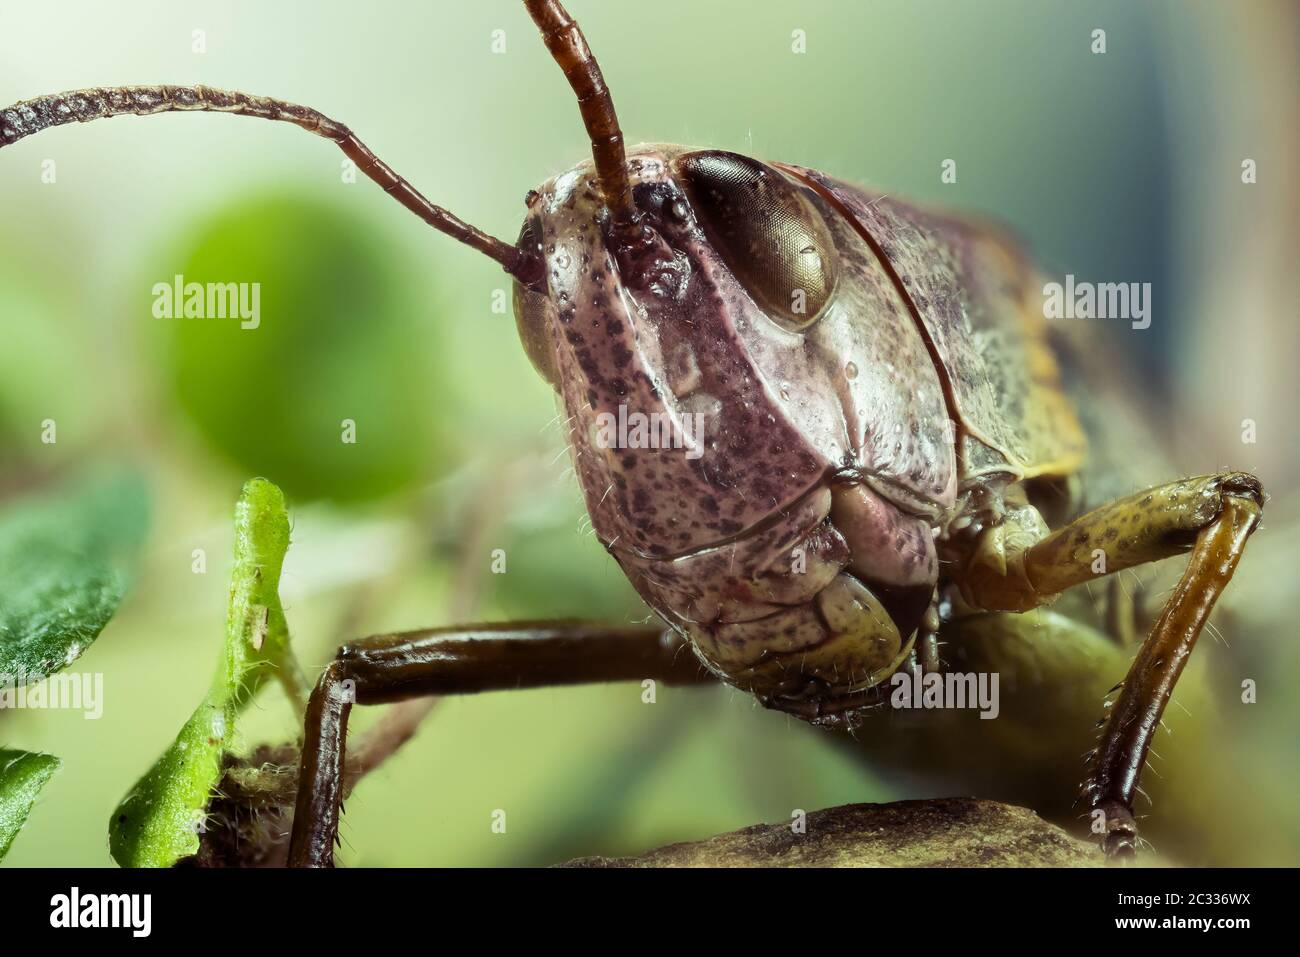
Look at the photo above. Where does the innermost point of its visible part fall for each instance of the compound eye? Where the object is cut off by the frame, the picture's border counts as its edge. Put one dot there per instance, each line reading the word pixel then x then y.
pixel 532 313
pixel 771 238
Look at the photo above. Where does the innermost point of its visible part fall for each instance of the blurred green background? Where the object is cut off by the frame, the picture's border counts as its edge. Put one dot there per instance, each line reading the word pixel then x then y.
pixel 1123 166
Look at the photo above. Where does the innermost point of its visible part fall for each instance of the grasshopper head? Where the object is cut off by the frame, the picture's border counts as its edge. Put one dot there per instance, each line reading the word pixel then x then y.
pixel 724 375
pixel 735 371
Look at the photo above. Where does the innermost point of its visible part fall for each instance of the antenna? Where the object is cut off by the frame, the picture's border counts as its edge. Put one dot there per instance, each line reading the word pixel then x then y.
pixel 569 47
pixel 81 106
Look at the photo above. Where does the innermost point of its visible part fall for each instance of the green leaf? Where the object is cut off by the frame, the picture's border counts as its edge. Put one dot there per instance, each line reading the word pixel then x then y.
pixel 22 775
pixel 66 560
pixel 257 635
pixel 160 820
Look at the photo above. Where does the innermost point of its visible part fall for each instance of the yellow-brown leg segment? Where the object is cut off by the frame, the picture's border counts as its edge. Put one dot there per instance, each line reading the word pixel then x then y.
pixel 1212 516
pixel 1135 715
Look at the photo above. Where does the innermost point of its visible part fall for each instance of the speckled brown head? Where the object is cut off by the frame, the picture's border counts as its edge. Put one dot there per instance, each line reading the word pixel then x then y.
pixel 757 426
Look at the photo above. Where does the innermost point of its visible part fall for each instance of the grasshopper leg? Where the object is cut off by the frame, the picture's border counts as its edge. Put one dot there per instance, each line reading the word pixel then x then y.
pixel 1135 714
pixel 464 660
pixel 1211 517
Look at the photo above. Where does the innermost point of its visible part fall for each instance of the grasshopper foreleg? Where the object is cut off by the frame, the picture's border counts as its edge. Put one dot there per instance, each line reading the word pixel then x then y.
pixel 1211 517
pixel 463 660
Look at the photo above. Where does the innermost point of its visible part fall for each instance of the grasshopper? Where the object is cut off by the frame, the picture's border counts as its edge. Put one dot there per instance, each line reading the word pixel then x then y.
pixel 852 439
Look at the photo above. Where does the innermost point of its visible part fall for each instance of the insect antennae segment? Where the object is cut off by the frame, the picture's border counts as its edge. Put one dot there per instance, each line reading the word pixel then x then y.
pixel 81 106
pixel 568 46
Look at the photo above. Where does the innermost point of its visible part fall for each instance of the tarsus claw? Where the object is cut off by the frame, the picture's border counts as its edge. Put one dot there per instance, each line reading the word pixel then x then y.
pixel 1120 838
